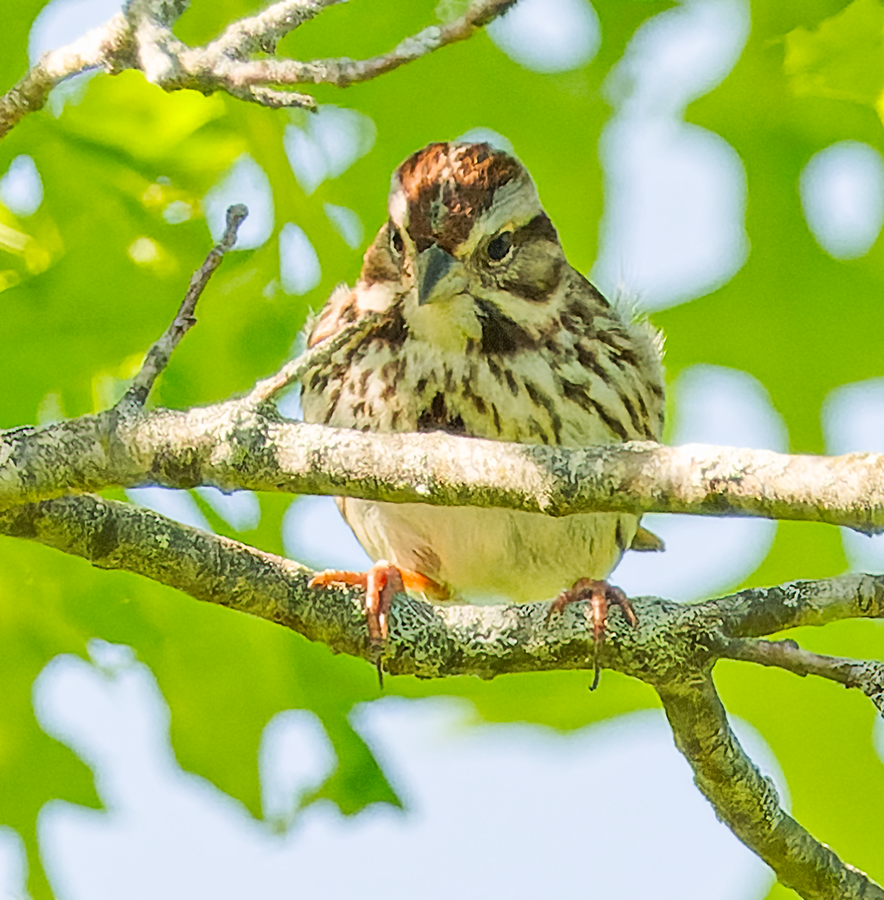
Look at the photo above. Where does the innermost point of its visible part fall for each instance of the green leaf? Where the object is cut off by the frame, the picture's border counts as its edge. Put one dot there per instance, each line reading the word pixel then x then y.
pixel 842 58
pixel 17 20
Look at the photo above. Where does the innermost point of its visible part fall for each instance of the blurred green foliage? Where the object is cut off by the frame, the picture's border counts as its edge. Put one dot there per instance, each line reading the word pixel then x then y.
pixel 93 276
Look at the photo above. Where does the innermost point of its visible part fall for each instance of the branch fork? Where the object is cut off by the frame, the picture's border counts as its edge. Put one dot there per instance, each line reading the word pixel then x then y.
pixel 241 61
pixel 244 444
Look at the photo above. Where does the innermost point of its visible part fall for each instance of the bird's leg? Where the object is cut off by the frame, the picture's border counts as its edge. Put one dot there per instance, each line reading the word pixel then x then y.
pixel 381 583
pixel 599 596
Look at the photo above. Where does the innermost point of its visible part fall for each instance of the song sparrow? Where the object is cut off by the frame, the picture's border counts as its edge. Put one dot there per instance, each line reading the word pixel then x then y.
pixel 487 331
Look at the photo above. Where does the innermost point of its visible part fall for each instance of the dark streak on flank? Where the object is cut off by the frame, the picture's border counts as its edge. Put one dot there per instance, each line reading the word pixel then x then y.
pixel 577 393
pixel 623 357
pixel 534 428
pixel 333 403
pixel 469 394
pixel 645 415
pixel 540 399
pixel 640 426
pixel 591 363
pixel 437 418
pixel 610 420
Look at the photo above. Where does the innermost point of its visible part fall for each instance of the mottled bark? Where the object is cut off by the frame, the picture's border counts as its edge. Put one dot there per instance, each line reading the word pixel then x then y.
pixel 235 445
pixel 674 647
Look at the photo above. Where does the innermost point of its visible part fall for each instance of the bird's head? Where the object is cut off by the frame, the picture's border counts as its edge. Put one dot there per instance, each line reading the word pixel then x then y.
pixel 466 241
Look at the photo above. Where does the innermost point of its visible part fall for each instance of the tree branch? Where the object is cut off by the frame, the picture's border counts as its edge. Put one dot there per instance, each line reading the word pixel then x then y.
pixel 141 38
pixel 747 802
pixel 866 675
pixel 160 353
pixel 97 49
pixel 234 445
pixel 454 640
pixel 673 648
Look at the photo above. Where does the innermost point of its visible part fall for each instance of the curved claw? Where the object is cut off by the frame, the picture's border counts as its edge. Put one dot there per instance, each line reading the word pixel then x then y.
pixel 381 583
pixel 600 596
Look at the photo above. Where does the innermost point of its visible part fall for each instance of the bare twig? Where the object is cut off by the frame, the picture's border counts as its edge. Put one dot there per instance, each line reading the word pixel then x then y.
pixel 158 356
pixel 98 49
pixel 311 359
pixel 867 675
pixel 344 72
pixel 263 31
pixel 141 38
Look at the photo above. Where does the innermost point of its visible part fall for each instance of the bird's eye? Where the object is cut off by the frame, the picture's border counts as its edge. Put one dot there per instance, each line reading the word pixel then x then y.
pixel 500 246
pixel 396 239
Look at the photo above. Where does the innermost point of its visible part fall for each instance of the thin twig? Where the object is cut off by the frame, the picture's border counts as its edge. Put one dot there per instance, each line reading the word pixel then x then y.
pixel 263 31
pixel 99 48
pixel 310 359
pixel 344 72
pixel 866 675
pixel 158 356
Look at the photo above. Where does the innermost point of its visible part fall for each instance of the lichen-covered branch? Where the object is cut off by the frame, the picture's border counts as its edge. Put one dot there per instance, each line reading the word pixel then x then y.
pixel 344 72
pixel 674 648
pixel 236 445
pixel 747 802
pixel 141 38
pixel 428 640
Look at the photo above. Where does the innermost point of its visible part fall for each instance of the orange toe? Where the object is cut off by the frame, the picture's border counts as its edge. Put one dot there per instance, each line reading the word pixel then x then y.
pixel 381 583
pixel 600 596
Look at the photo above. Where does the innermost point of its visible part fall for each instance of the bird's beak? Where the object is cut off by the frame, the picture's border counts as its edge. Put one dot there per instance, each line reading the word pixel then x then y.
pixel 439 275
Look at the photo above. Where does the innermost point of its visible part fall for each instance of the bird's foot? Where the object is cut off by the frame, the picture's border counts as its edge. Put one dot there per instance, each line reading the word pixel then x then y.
pixel 381 583
pixel 600 596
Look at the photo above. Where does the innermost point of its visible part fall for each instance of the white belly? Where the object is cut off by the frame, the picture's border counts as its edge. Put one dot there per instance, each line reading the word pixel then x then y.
pixel 491 554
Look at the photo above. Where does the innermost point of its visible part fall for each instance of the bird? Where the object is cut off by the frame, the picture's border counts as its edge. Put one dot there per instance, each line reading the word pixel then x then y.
pixel 483 329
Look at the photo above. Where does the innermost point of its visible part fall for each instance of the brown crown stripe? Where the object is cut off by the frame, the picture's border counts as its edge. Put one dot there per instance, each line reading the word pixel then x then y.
pixel 459 179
